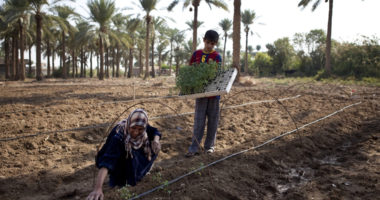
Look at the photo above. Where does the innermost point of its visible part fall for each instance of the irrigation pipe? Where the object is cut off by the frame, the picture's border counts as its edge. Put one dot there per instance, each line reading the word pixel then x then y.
pixel 241 152
pixel 152 118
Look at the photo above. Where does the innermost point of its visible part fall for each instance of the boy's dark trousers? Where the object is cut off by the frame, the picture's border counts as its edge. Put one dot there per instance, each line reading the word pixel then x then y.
pixel 205 107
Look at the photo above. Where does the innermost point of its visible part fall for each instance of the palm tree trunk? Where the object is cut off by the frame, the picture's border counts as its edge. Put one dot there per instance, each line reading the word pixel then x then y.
pixel 224 49
pixel 97 64
pixel 14 58
pixel 6 60
pixel 52 62
pixel 64 69
pixel 171 58
pixel 117 61
pixel 91 74
pixel 130 62
pixel 236 37
pixel 140 62
pixel 30 60
pixel 107 64
pixel 113 61
pixel 176 66
pixel 17 73
pixel 48 57
pixel 22 65
pixel 195 25
pixel 245 67
pixel 152 62
pixel 125 64
pixel 159 63
pixel 148 19
pixel 82 71
pixel 38 47
pixel 328 41
pixel 73 59
pixel 101 71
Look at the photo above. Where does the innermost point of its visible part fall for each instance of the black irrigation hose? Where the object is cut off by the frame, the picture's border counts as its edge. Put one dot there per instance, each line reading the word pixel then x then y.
pixel 152 118
pixel 241 152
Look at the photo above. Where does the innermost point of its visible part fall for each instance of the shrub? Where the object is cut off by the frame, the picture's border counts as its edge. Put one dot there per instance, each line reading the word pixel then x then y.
pixel 263 64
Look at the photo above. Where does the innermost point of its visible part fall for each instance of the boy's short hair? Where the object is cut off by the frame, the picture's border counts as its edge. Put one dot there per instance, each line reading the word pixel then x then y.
pixel 212 36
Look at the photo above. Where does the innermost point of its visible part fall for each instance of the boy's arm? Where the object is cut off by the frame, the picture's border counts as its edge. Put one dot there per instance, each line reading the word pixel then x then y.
pixel 193 58
pixel 218 59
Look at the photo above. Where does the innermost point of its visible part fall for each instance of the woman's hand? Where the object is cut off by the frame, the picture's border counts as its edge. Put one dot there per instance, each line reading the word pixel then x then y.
pixel 156 145
pixel 97 194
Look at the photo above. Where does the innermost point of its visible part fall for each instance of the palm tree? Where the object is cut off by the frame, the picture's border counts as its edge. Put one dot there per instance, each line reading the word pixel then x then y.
pixel 195 4
pixel 179 55
pixel 16 15
pixel 101 12
pixel 171 36
pixel 140 43
pixel 148 6
pixel 5 34
pixel 157 23
pixel 236 37
pixel 49 36
pixel 120 38
pixel 36 6
pixel 247 18
pixel 191 24
pixel 131 27
pixel 304 3
pixel 163 42
pixel 64 13
pixel 225 24
pixel 84 37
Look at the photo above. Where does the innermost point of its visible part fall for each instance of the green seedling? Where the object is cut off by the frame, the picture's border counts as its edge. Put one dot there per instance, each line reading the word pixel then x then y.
pixel 193 79
pixel 125 193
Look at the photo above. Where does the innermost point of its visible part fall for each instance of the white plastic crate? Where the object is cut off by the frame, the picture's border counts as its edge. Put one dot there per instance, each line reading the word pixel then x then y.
pixel 220 85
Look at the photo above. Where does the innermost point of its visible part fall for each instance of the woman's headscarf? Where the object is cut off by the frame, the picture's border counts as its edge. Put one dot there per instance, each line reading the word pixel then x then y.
pixel 137 117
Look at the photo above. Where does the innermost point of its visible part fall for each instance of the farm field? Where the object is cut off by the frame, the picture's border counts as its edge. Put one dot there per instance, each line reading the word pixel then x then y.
pixel 51 131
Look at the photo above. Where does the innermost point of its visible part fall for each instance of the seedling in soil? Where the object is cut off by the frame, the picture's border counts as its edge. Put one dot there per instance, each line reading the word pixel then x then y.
pixel 125 193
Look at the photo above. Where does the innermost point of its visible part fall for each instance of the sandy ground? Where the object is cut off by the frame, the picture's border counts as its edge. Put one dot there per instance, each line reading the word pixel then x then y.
pixel 51 130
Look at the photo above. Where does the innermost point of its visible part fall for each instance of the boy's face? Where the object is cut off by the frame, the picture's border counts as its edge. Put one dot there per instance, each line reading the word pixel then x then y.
pixel 209 45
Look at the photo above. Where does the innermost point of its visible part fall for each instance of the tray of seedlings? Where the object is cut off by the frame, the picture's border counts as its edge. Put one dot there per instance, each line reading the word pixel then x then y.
pixel 204 80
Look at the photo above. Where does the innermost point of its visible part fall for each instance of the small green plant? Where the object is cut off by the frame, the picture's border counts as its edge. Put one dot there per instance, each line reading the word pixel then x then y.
pixel 200 171
pixel 125 193
pixel 193 79
pixel 158 178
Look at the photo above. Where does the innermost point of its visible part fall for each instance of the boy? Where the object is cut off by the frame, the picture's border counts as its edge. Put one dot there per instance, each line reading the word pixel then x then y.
pixel 207 106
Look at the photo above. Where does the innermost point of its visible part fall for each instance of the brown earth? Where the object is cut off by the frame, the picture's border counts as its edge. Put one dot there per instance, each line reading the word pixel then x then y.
pixel 50 132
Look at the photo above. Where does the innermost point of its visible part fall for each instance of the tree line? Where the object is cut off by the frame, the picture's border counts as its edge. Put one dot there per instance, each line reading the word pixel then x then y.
pixel 122 42
pixel 304 55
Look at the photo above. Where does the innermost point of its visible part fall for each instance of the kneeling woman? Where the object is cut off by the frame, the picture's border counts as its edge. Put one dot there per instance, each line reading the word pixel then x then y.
pixel 128 154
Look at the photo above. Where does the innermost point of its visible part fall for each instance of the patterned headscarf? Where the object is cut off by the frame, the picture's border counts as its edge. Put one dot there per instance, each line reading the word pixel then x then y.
pixel 137 117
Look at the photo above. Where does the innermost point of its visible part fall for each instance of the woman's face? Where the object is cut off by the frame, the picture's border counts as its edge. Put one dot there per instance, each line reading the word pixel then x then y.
pixel 134 131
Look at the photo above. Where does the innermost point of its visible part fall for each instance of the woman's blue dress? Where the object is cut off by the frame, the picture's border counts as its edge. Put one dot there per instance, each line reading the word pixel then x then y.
pixel 124 171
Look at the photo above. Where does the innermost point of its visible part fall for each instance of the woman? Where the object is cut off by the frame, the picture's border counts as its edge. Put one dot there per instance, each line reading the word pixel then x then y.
pixel 128 154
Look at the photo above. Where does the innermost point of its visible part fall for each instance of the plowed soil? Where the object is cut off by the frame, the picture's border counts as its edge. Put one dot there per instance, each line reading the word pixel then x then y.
pixel 51 130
